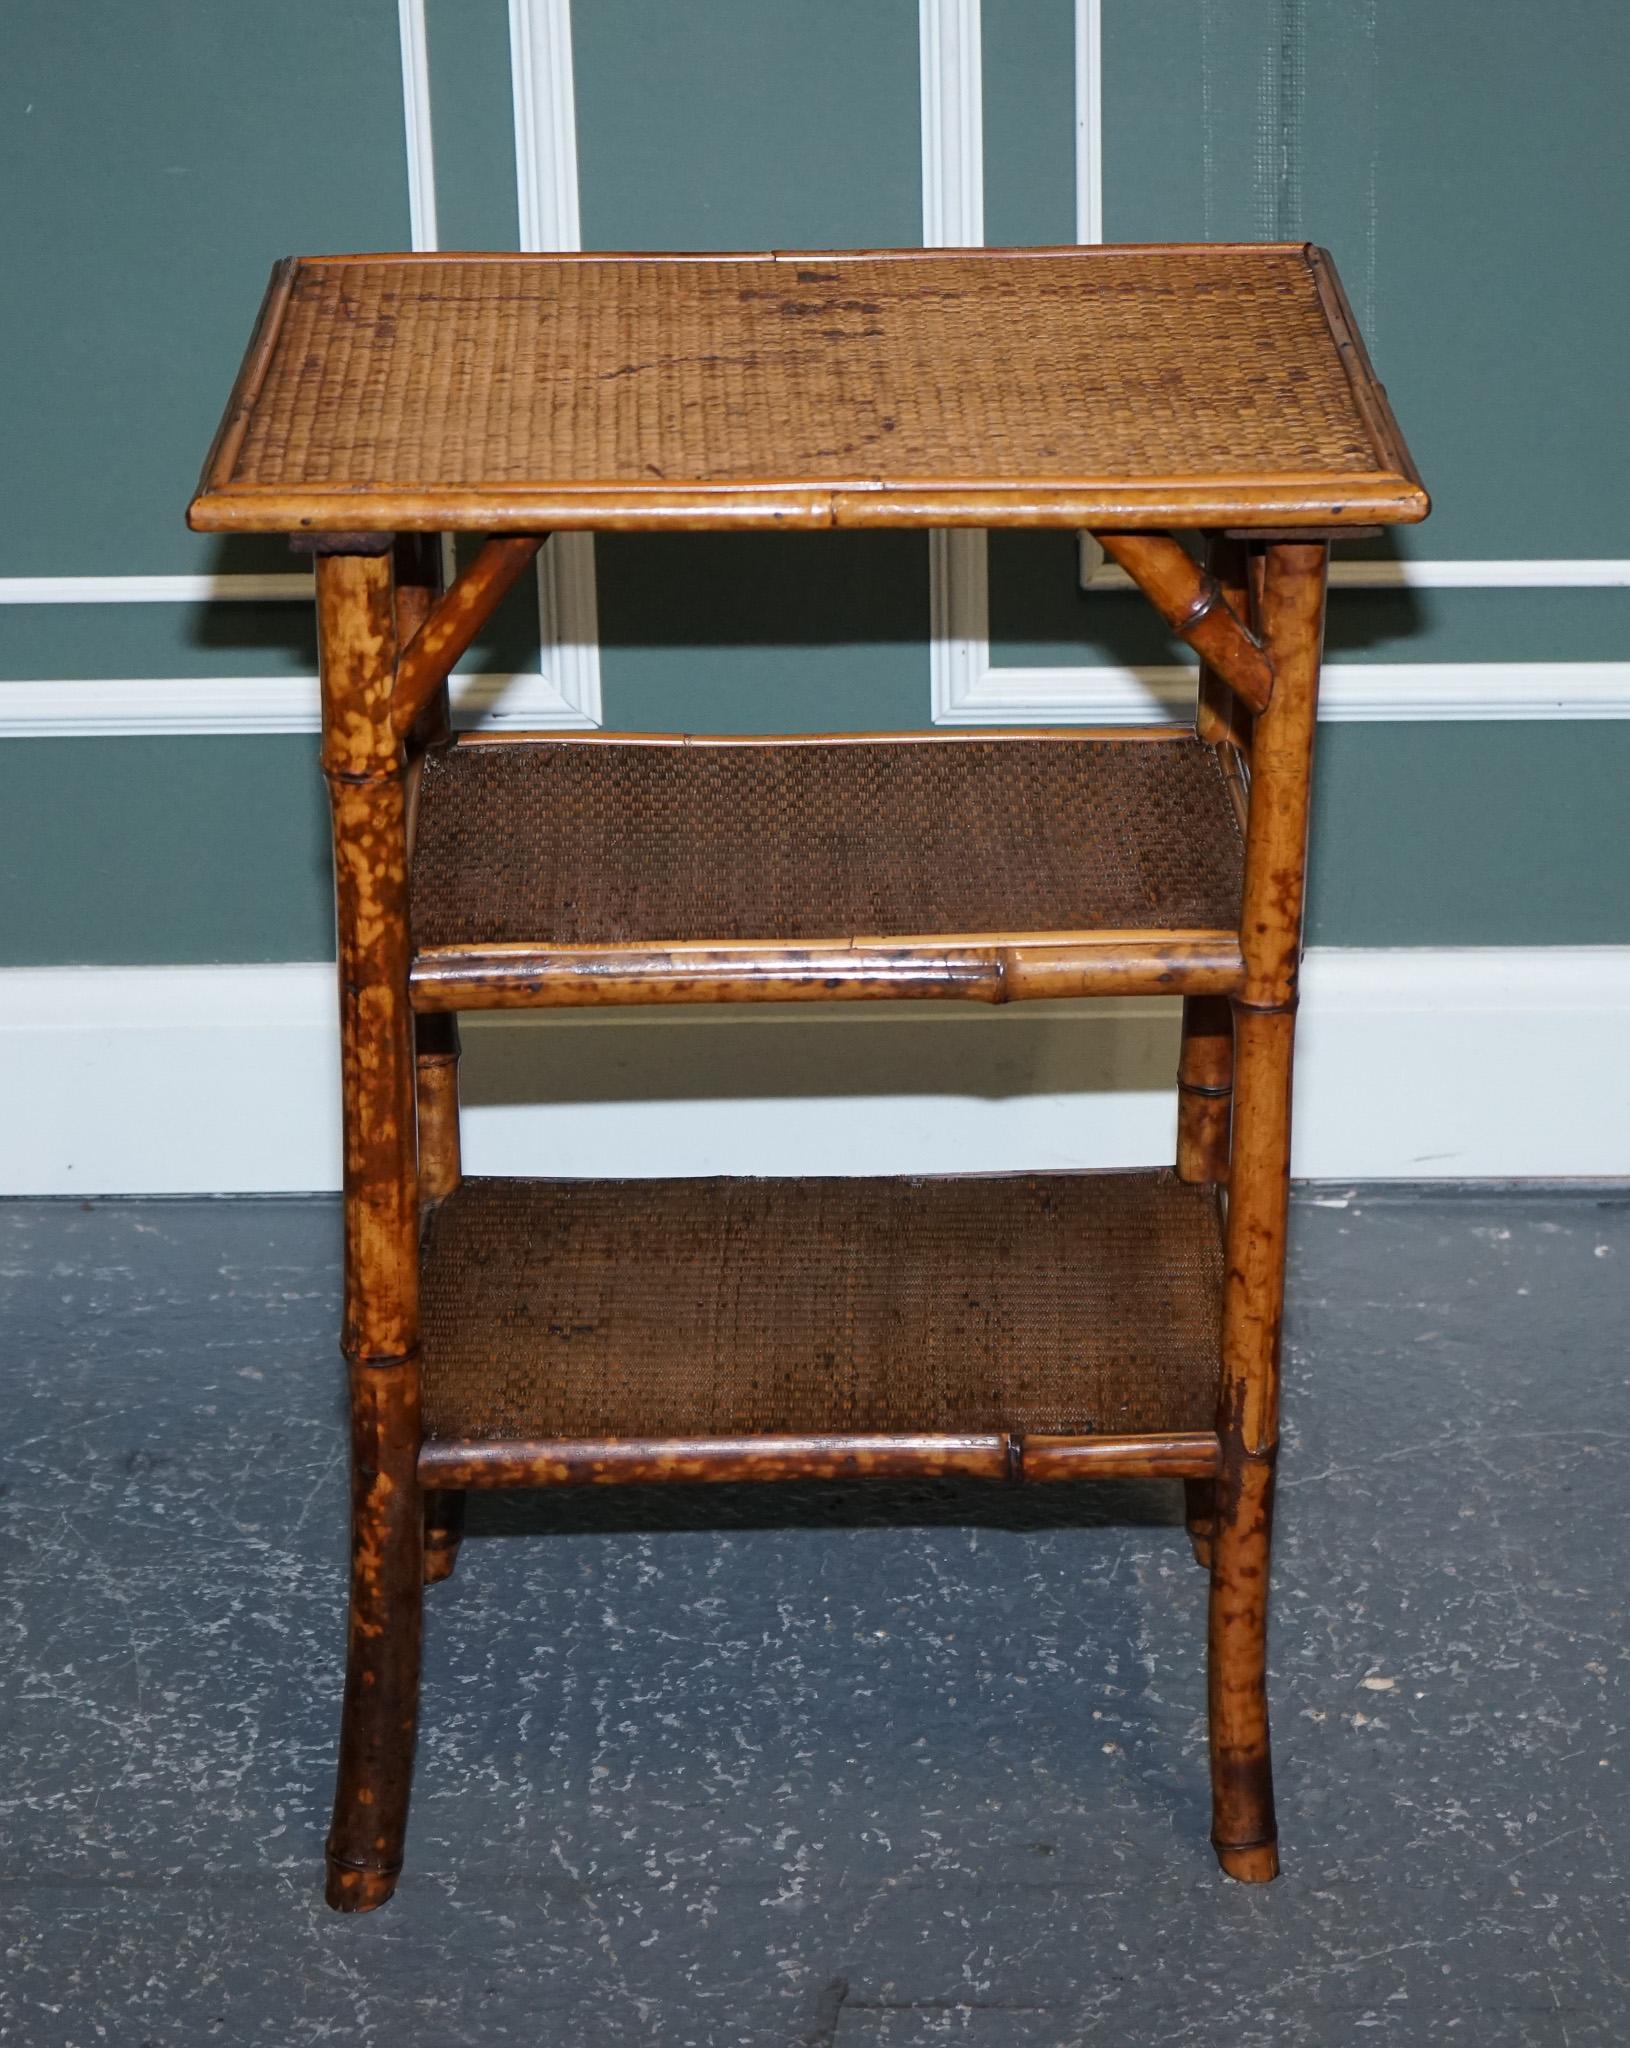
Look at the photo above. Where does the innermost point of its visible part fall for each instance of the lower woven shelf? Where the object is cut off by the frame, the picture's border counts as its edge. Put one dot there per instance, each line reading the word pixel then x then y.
pixel 1022 1325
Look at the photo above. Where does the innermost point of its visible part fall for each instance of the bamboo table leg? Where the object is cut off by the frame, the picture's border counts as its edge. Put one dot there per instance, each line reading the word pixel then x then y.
pixel 365 767
pixel 1205 1073
pixel 436 1047
pixel 1221 718
pixel 1205 1085
pixel 1292 614
pixel 1205 1089
pixel 1200 1519
pixel 436 1043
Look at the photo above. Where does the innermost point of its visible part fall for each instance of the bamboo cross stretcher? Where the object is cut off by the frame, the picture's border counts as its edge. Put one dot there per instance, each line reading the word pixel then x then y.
pixel 1022 1329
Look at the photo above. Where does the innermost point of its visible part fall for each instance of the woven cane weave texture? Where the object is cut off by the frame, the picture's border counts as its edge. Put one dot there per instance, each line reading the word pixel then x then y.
pixel 608 843
pixel 1087 365
pixel 1062 1304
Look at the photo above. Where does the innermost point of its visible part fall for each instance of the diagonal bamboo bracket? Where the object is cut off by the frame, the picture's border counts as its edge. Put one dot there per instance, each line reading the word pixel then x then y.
pixel 1194 605
pixel 455 619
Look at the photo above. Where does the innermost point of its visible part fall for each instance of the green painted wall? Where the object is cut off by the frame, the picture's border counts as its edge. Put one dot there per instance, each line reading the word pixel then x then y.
pixel 1463 159
pixel 1471 835
pixel 158 159
pixel 473 124
pixel 125 851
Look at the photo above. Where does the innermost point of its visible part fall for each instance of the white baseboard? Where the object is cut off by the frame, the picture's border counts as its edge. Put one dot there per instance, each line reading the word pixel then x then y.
pixel 1430 1063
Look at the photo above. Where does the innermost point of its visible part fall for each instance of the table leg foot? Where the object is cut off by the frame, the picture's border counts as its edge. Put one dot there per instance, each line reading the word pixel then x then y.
pixel 443 1533
pixel 1249 1863
pixel 351 1890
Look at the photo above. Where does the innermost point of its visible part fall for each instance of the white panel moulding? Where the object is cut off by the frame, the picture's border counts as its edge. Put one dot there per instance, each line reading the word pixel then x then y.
pixel 421 156
pixel 281 587
pixel 1350 693
pixel 540 50
pixel 952 124
pixel 1585 573
pixel 1089 121
pixel 1400 1054
pixel 294 586
pixel 545 104
pixel 111 707
pixel 413 46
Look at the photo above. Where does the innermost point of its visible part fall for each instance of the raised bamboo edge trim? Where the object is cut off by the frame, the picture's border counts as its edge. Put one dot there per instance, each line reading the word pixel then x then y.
pixel 1094 252
pixel 1008 1456
pixel 1322 500
pixel 222 455
pixel 1369 393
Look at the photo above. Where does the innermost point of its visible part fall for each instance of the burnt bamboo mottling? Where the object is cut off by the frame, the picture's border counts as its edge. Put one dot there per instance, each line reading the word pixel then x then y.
pixel 1200 1518
pixel 1196 607
pixel 365 766
pixel 451 624
pixel 1205 1076
pixel 1205 1089
pixel 436 1041
pixel 1016 1329
pixel 437 1045
pixel 1292 615
pixel 988 971
pixel 418 569
pixel 436 1048
pixel 1001 1456
pixel 1222 718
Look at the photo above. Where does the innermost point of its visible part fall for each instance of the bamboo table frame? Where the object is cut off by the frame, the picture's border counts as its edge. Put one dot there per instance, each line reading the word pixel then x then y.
pixel 1018 388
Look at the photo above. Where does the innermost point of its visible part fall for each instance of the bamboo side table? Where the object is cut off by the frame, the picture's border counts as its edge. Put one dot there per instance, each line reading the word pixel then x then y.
pixel 1022 1328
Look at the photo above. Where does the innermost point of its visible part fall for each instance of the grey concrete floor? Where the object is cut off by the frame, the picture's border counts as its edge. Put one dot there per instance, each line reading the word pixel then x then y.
pixel 866 1768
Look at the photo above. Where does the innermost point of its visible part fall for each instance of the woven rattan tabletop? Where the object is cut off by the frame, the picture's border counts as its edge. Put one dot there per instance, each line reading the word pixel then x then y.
pixel 1115 387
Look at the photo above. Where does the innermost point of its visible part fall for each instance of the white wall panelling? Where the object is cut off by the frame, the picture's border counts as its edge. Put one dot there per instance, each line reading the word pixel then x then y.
pixel 113 707
pixel 1583 573
pixel 1089 121
pixel 293 586
pixel 99 1056
pixel 421 156
pixel 953 124
pixel 540 61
